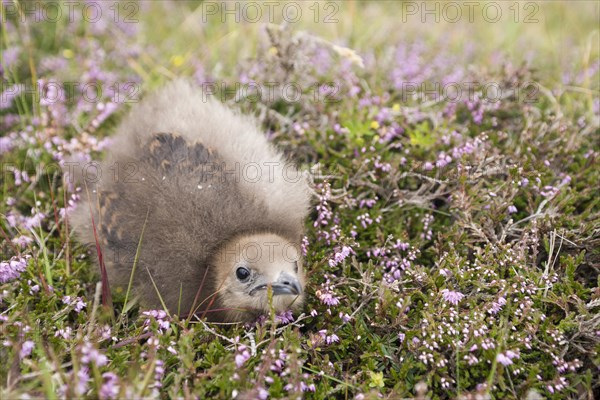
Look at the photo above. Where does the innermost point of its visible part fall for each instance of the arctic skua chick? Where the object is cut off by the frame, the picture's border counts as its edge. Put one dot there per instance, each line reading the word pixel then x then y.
pixel 212 209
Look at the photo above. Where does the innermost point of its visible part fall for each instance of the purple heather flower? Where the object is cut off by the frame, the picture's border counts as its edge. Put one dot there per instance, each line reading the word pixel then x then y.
pixel 26 349
pixel 452 297
pixel 284 317
pixel 64 333
pixel 512 209
pixel 279 363
pixel 369 203
pixel 9 56
pixel 83 377
pixel 11 270
pixel 340 256
pixel 321 60
pixel 53 64
pixel 22 241
pixel 160 316
pixel 6 144
pixel 242 356
pixel 20 177
pixel 307 388
pixel 110 387
pixel 304 246
pixel 497 306
pixel 502 359
pixel 263 394
pixel 329 339
pixel 511 354
pixel 401 245
pixel 159 372
pixel 106 110
pixel 345 317
pixel 443 160
pixel 90 354
pixel 328 298
pixel 549 191
pixel 34 221
pixel 33 289
pixel 71 205
pixel 566 180
pixel 384 115
pixel 487 344
pixel 77 303
pixel 365 220
pixel 384 167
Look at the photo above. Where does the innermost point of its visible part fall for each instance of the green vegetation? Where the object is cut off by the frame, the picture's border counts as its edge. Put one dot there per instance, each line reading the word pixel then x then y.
pixel 454 246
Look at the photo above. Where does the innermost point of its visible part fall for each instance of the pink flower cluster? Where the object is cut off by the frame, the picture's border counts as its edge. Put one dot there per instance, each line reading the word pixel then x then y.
pixel 77 303
pixel 507 357
pixel 161 318
pixel 12 269
pixel 452 296
pixel 329 339
pixel 326 294
pixel 340 256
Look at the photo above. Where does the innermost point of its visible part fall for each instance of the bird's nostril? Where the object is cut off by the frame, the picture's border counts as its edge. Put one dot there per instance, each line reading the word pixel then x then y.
pixel 286 283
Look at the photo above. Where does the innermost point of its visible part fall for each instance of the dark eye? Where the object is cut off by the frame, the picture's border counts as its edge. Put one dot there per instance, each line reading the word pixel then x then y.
pixel 242 274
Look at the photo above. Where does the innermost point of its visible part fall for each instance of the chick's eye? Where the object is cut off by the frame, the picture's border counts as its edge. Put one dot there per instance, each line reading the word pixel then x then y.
pixel 242 274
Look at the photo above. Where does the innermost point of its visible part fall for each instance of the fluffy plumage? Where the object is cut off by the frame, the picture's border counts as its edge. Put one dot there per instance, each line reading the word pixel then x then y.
pixel 207 189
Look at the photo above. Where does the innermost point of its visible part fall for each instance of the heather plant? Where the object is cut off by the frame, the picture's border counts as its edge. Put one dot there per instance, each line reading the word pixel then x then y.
pixel 453 246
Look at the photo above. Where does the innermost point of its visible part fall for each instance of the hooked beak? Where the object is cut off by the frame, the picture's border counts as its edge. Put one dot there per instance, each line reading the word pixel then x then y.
pixel 285 284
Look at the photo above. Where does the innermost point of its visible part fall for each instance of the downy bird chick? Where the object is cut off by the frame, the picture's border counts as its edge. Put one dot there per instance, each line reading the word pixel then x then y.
pixel 198 208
